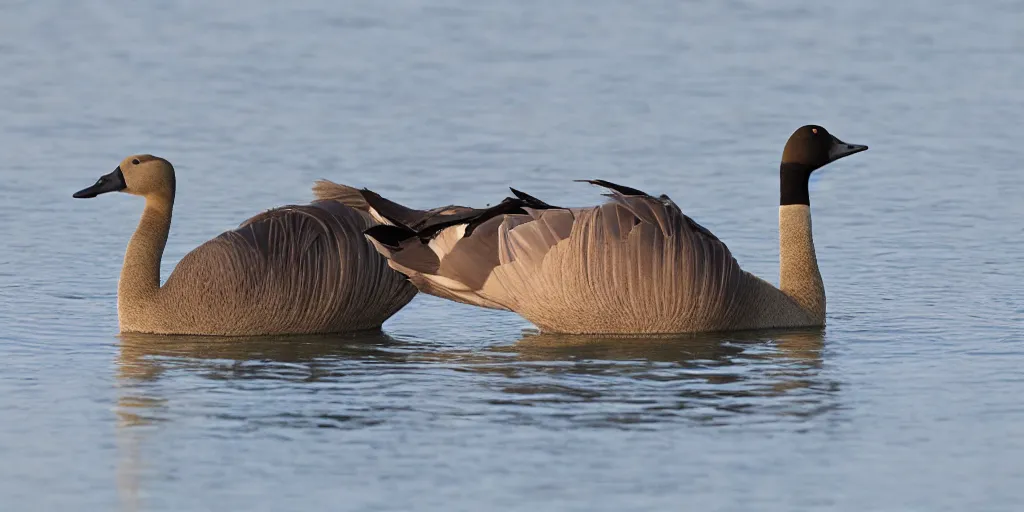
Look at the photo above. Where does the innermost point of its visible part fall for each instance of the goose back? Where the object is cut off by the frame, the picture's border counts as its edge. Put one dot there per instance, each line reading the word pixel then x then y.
pixel 295 269
pixel 635 264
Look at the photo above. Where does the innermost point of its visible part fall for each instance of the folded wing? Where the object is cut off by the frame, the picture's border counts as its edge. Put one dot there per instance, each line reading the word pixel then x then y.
pixel 303 268
pixel 634 264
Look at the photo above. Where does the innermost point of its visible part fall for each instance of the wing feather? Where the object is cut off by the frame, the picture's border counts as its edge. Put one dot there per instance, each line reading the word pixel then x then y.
pixel 633 264
pixel 294 269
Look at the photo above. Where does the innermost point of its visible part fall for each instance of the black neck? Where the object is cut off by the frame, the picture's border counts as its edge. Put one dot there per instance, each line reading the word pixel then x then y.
pixel 793 180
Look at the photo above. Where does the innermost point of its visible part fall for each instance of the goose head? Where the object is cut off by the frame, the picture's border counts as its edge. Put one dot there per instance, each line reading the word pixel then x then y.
pixel 141 175
pixel 810 148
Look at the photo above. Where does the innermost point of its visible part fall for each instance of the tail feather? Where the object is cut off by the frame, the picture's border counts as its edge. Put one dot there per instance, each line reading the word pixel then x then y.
pixel 325 190
pixel 383 210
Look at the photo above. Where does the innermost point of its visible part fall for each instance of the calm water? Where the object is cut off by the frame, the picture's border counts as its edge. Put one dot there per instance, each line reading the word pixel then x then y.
pixel 911 399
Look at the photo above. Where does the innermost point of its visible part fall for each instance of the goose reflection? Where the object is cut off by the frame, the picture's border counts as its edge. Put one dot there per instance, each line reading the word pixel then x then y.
pixel 144 360
pixel 709 379
pixel 718 374
pixel 355 381
pixel 145 357
pixel 799 353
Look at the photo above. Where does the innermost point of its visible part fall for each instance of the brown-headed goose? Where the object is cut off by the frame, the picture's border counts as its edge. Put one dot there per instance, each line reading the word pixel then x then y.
pixel 635 264
pixel 298 269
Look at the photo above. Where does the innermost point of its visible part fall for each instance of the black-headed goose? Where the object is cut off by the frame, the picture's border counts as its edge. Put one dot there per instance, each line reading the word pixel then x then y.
pixel 635 264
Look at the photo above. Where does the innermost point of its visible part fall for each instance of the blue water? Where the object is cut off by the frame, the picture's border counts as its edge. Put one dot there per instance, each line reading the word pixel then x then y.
pixel 910 399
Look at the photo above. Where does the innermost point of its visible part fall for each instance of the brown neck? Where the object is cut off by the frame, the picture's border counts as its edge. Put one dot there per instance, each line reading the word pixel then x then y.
pixel 799 277
pixel 140 276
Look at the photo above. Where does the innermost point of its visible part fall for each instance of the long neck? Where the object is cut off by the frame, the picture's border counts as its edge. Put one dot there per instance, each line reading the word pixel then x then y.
pixel 140 276
pixel 793 181
pixel 798 265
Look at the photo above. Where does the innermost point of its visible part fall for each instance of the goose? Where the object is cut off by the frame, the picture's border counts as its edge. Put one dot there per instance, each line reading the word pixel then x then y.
pixel 633 265
pixel 298 269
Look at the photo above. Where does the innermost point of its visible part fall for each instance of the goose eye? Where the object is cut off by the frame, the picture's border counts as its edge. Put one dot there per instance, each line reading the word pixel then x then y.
pixel 136 160
pixel 814 131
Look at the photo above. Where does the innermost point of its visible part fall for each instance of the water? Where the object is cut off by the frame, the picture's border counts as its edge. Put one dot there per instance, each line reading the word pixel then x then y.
pixel 909 400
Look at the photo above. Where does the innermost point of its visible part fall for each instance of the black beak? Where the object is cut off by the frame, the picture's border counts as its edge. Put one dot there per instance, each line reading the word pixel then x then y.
pixel 112 182
pixel 841 149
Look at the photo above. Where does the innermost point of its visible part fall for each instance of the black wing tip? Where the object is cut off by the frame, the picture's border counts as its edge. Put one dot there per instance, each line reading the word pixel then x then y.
pixel 389 236
pixel 384 207
pixel 622 189
pixel 507 206
pixel 372 197
pixel 531 201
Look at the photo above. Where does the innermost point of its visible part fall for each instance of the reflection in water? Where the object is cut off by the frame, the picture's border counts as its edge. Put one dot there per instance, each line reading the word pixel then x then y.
pixel 705 378
pixel 282 386
pixel 144 359
pixel 721 372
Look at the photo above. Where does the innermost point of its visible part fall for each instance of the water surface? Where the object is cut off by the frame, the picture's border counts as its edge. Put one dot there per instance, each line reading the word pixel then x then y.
pixel 910 399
